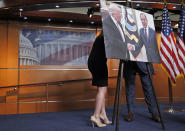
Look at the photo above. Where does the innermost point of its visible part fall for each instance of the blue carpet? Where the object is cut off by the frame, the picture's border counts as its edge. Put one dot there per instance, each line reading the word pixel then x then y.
pixel 79 120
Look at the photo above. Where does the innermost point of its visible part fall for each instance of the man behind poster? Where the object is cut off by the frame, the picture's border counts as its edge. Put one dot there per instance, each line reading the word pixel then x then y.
pixel 131 68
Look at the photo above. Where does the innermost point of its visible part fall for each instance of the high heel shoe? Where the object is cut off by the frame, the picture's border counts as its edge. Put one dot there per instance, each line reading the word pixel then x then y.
pixel 96 122
pixel 105 121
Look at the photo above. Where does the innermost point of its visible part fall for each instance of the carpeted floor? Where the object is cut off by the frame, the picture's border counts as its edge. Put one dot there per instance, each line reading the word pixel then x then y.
pixel 79 120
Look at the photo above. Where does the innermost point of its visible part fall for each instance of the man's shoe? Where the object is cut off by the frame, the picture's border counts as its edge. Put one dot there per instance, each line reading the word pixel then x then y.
pixel 129 117
pixel 156 118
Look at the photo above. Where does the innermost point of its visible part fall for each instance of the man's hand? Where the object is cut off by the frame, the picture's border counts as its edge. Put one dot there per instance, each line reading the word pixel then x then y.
pixel 130 47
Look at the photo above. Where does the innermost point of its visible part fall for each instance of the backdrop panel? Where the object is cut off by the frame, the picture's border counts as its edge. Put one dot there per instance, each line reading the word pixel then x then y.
pixel 54 47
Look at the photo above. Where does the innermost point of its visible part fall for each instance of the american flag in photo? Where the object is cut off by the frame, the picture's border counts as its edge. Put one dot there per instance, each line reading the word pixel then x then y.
pixel 168 49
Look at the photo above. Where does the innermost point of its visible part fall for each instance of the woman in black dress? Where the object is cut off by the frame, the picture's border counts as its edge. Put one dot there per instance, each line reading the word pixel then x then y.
pixel 97 64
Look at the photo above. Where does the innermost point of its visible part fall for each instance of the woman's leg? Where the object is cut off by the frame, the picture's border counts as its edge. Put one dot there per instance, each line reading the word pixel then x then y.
pixel 103 111
pixel 100 101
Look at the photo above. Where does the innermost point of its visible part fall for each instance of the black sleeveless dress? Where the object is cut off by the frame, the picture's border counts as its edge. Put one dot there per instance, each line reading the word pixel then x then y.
pixel 97 63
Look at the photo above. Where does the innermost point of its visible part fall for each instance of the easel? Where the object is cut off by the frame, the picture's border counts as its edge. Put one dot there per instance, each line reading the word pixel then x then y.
pixel 116 109
pixel 118 95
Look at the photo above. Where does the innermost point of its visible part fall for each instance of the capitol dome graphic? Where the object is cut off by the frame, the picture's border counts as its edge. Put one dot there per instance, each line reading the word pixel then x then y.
pixel 27 54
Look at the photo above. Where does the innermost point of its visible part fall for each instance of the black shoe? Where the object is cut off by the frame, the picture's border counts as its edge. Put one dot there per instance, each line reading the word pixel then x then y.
pixel 129 117
pixel 155 117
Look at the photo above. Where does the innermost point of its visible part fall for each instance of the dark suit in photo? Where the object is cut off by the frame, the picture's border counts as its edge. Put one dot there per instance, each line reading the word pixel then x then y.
pixel 150 44
pixel 135 42
pixel 115 45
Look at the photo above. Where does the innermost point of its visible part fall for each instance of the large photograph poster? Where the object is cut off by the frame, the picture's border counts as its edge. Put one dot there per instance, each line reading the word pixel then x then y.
pixel 129 34
pixel 54 47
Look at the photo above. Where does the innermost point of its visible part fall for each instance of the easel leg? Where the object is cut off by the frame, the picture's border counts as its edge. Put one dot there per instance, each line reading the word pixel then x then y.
pixel 118 95
pixel 162 123
pixel 115 103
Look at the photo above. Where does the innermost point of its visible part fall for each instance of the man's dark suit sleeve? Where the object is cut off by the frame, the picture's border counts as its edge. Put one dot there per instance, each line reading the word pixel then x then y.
pixel 114 44
pixel 137 48
pixel 138 44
